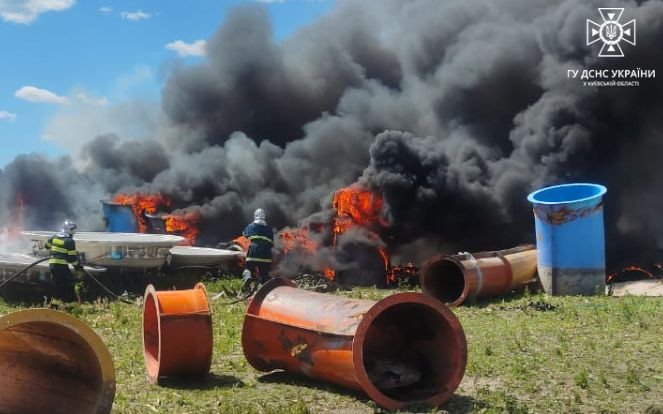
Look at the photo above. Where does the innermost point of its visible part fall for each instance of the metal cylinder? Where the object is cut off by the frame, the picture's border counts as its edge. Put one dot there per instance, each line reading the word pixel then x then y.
pixel 177 332
pixel 405 349
pixel 456 278
pixel 51 362
pixel 570 238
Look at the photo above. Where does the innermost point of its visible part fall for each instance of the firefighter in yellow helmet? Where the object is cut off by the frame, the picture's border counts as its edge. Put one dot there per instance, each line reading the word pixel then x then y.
pixel 63 253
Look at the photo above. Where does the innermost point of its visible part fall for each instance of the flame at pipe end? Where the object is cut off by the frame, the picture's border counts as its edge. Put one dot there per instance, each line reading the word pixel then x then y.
pixel 52 362
pixel 172 318
pixel 421 342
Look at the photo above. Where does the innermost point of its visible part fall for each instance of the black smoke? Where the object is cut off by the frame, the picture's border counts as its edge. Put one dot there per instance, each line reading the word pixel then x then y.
pixel 453 111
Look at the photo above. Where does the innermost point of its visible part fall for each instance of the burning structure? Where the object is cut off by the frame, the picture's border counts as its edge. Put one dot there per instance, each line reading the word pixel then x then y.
pixel 141 213
pixel 347 241
pixel 450 118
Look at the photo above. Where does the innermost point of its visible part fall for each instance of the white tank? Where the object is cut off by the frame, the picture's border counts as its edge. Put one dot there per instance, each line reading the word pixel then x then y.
pixel 203 256
pixel 130 250
pixel 11 263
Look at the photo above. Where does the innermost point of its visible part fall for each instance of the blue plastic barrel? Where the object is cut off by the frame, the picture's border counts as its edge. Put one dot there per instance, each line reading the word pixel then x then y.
pixel 119 218
pixel 570 238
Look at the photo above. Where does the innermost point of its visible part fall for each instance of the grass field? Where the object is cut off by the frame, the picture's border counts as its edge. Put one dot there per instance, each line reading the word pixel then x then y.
pixel 526 353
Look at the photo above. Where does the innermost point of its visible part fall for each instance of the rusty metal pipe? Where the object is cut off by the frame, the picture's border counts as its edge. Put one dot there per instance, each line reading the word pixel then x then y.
pixel 177 332
pixel 51 362
pixel 350 342
pixel 456 278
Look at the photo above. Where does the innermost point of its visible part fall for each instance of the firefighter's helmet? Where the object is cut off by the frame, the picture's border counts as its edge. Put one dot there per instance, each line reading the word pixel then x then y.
pixel 69 226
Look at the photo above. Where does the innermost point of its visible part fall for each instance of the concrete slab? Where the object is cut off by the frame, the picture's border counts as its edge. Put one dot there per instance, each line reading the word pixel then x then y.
pixel 648 287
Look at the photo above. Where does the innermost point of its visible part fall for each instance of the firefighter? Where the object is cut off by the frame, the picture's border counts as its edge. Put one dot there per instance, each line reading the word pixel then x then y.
pixel 63 253
pixel 259 257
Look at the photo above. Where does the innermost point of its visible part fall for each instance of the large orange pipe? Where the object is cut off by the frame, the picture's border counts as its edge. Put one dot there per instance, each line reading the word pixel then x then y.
pixel 456 278
pixel 51 362
pixel 177 332
pixel 344 341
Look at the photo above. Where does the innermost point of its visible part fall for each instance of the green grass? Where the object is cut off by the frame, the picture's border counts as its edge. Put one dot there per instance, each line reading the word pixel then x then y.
pixel 526 353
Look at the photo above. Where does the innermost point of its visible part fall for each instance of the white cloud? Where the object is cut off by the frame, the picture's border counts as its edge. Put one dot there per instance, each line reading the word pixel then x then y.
pixel 86 99
pixel 183 49
pixel 33 94
pixel 26 11
pixel 75 125
pixel 7 116
pixel 106 9
pixel 137 15
pixel 130 84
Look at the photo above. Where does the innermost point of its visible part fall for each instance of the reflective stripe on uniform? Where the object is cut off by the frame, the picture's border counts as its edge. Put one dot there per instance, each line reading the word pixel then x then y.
pixel 257 259
pixel 58 261
pixel 72 253
pixel 267 239
pixel 59 250
pixel 58 242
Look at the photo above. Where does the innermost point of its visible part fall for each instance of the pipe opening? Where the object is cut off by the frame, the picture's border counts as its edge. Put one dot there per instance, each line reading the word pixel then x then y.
pixel 444 280
pixel 151 336
pixel 567 193
pixel 177 332
pixel 48 366
pixel 410 353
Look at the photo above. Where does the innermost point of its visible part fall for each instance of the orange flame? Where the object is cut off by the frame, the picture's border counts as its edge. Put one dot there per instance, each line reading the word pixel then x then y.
pixel 142 203
pixel 329 273
pixel 297 239
pixel 401 272
pixel 630 269
pixel 244 242
pixel 385 257
pixel 183 225
pixel 356 206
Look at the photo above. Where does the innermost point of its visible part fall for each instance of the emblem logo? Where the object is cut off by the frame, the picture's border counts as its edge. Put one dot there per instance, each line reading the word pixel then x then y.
pixel 611 32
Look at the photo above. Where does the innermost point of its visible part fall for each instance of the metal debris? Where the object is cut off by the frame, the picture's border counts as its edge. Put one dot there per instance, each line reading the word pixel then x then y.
pixel 537 305
pixel 389 374
pixel 317 283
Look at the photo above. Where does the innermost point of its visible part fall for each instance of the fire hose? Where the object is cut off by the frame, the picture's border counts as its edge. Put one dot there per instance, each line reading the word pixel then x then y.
pixel 252 288
pixel 88 274
pixel 240 297
pixel 23 270
pixel 311 282
pixel 104 287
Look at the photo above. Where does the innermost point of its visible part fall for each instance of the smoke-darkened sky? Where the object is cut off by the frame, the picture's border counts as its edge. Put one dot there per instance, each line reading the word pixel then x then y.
pixel 453 111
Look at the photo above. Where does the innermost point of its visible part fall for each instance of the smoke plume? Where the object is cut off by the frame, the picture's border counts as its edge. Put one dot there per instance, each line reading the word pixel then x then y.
pixel 452 111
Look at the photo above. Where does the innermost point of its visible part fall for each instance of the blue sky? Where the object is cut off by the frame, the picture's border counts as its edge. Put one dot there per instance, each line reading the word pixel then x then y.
pixel 58 55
